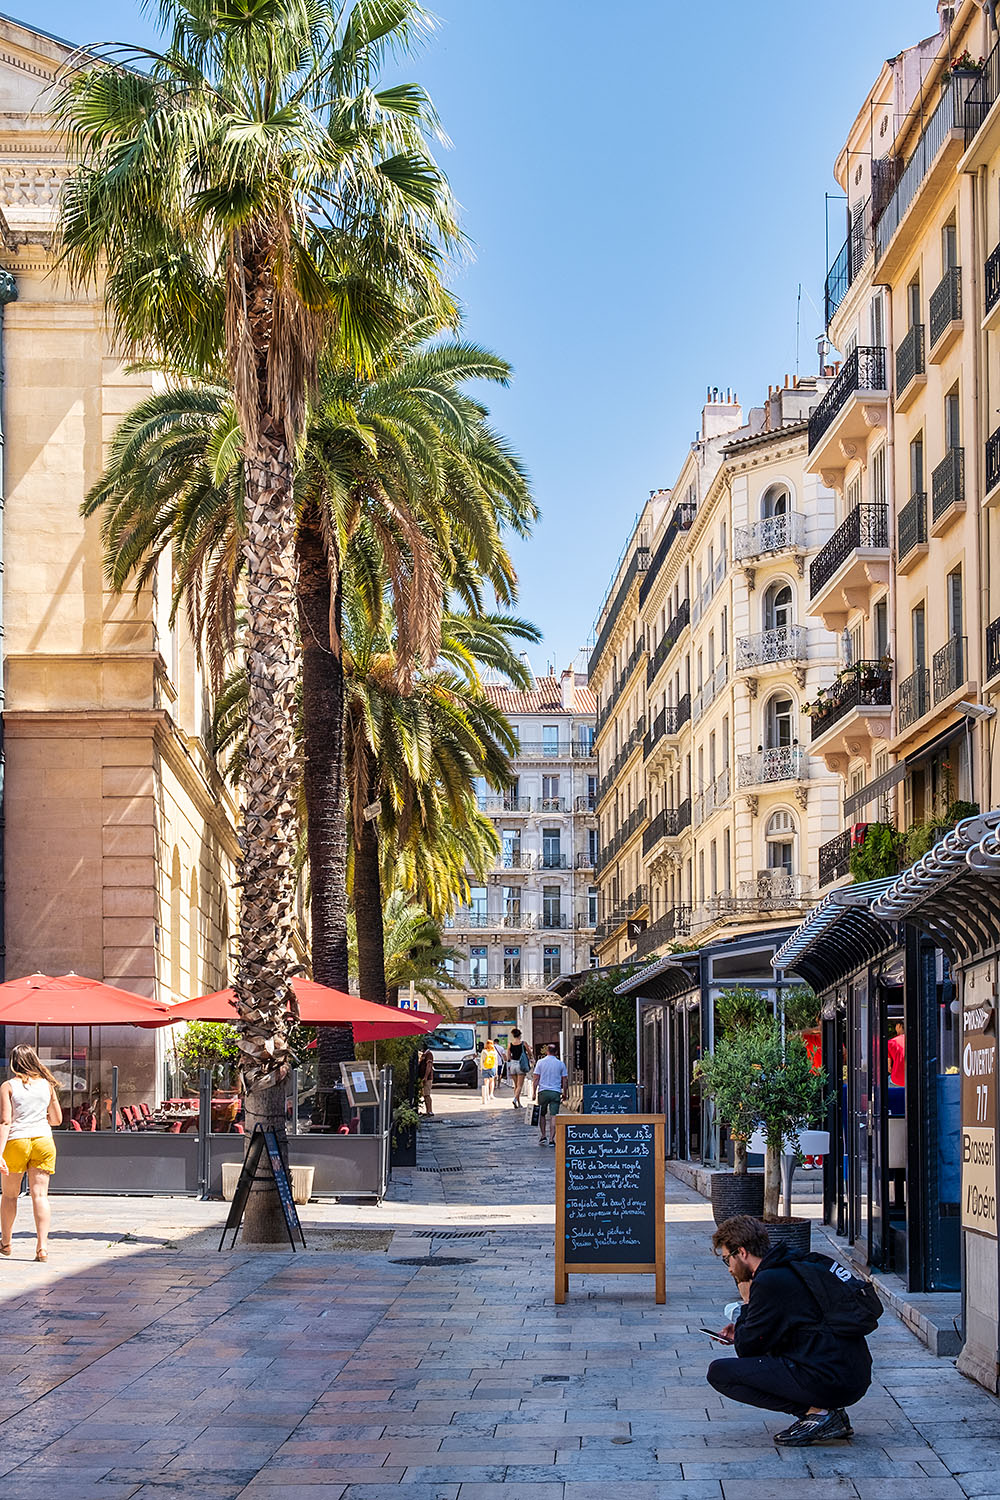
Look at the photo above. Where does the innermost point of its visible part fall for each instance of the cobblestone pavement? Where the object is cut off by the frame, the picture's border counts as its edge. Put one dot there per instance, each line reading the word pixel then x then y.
pixel 141 1363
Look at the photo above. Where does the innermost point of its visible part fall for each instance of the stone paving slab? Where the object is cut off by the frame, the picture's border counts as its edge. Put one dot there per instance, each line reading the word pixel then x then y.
pixel 140 1371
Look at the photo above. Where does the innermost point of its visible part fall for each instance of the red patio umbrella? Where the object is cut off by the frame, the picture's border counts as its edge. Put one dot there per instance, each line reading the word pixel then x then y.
pixel 73 1000
pixel 319 1005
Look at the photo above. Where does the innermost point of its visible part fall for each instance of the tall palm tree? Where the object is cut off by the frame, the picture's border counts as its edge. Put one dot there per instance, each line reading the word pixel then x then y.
pixel 227 194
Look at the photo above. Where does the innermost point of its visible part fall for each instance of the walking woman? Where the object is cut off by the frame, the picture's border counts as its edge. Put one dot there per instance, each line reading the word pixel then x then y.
pixel 425 1073
pixel 519 1062
pixel 29 1107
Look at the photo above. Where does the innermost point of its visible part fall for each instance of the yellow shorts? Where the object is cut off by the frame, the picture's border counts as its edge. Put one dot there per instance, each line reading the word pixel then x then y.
pixel 30 1151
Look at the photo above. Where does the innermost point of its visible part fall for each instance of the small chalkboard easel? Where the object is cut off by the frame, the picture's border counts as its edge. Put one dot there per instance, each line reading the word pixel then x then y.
pixel 264 1142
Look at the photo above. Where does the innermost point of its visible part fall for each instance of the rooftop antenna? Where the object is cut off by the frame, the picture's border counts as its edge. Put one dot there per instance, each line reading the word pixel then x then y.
pixel 822 349
pixel 798 322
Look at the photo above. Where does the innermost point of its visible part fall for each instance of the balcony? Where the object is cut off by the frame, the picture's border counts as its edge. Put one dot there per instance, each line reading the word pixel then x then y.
pixel 992 493
pixel 853 254
pixel 553 805
pixel 669 823
pixel 946 313
pixel 781 763
pixel 947 490
pixel 772 891
pixel 851 714
pixel 584 749
pixel 854 560
pixel 948 668
pixel 980 98
pixel 712 798
pixel 586 859
pixel 515 859
pixel 618 686
pixel 911 370
pixel 668 641
pixel 991 289
pixel 681 520
pixel 554 862
pixel 772 535
pixel 835 858
pixel 911 533
pixel 667 726
pixel 708 590
pixel 587 804
pixel 770 647
pixel 934 157
pixel 855 403
pixel 622 835
pixel 555 922
pixel 674 924
pixel 498 804
pixel 611 608
pixel 547 750
pixel 914 697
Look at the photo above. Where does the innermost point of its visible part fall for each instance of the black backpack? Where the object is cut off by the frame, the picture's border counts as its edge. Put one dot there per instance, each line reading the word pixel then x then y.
pixel 851 1308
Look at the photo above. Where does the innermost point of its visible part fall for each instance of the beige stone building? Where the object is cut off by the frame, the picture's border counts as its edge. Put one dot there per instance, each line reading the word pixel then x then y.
pixel 120 838
pixel 711 808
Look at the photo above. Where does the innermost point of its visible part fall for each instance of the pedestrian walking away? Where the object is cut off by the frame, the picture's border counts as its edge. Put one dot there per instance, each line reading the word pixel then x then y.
pixel 489 1062
pixel 519 1064
pixel 29 1107
pixel 800 1336
pixel 425 1075
pixel 551 1085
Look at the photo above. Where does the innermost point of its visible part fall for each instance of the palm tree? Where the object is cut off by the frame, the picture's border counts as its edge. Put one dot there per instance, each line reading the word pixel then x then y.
pixel 227 195
pixel 414 952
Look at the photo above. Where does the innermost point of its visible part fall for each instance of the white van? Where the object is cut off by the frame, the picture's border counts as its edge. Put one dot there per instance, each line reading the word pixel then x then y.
pixel 453 1049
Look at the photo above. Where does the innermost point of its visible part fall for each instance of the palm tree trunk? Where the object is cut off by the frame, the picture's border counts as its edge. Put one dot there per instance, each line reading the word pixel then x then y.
pixel 368 901
pixel 319 608
pixel 268 828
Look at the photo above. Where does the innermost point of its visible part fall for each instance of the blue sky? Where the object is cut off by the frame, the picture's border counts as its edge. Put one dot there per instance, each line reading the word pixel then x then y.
pixel 644 193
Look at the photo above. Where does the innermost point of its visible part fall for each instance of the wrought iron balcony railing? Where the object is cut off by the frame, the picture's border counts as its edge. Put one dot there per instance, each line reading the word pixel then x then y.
pixel 862 370
pixel 948 483
pixel 993 460
pixel 499 804
pixel 911 525
pixel 610 609
pixel 553 804
pixel 681 520
pixel 991 280
pixel 668 641
pixel 914 697
pixel 835 857
pixel 982 95
pixel 948 666
pixel 788 643
pixel 712 798
pixel 948 116
pixel 553 862
pixel 586 859
pixel 668 721
pixel 993 648
pixel 866 526
pixel 675 923
pixel 587 803
pixel 780 763
pixel 866 685
pixel 853 255
pixel 909 358
pixel 772 534
pixel 946 302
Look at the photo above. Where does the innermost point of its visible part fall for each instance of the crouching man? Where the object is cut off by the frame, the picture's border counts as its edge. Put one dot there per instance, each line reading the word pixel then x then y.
pixel 800 1336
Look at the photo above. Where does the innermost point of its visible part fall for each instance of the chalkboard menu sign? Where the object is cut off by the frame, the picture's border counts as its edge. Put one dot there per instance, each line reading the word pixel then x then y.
pixel 610 1198
pixel 264 1141
pixel 610 1098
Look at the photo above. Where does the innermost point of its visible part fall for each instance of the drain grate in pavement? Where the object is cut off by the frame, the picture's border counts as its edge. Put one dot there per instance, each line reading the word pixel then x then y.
pixel 439 1169
pixel 449 1234
pixel 435 1260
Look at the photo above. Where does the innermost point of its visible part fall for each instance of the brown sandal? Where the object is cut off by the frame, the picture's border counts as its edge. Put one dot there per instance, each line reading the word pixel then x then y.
pixel 41 1255
pixel 5 1249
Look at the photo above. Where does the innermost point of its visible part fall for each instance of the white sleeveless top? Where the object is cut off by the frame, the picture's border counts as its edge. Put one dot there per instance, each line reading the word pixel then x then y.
pixel 30 1099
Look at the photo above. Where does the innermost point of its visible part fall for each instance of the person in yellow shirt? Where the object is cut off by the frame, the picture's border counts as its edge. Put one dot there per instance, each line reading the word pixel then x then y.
pixel 489 1065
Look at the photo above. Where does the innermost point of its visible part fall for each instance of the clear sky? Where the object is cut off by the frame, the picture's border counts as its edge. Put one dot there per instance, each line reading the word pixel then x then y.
pixel 643 184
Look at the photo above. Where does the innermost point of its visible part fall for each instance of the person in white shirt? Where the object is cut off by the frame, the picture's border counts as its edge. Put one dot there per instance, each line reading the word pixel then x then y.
pixel 551 1083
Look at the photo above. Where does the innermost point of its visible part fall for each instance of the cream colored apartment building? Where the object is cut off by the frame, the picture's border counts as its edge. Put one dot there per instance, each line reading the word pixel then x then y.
pixel 903 435
pixel 711 807
pixel 120 841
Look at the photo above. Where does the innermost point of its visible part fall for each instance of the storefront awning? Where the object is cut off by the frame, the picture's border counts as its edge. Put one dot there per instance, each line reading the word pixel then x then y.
pixel 875 789
pixel 663 978
pixel 838 936
pixel 953 893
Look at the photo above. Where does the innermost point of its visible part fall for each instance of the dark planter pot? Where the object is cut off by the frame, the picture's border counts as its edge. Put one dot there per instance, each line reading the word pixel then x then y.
pixel 403 1152
pixel 737 1195
pixel 795 1233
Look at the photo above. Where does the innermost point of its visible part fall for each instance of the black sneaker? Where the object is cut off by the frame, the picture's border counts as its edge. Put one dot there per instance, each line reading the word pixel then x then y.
pixel 822 1427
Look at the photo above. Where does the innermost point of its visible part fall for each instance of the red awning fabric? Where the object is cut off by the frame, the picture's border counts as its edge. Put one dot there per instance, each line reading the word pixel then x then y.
pixel 73 1000
pixel 319 1005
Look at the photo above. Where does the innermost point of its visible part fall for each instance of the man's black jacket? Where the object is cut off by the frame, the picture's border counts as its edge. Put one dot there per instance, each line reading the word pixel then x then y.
pixel 783 1317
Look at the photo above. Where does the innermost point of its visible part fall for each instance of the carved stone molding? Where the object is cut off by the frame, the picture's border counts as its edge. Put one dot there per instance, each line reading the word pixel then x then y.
pixel 874 416
pixel 750 574
pixel 800 564
pixel 753 802
pixel 833 479
pixel 876 570
pixel 802 796
pixel 751 683
pixel 800 676
pixel 849 451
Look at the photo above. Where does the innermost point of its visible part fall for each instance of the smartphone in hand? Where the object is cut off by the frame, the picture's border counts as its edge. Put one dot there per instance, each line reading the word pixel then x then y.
pixel 719 1338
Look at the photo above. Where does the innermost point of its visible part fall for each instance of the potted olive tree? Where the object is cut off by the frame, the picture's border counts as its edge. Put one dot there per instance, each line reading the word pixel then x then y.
pixel 787 1093
pixel 728 1077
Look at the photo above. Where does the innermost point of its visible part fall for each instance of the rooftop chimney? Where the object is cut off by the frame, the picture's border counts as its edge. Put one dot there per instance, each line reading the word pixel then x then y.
pixel 527 667
pixel 567 689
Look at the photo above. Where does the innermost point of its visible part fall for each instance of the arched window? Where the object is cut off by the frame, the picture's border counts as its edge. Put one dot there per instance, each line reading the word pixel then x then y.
pixel 776 501
pixel 779 837
pixel 778 606
pixel 779 714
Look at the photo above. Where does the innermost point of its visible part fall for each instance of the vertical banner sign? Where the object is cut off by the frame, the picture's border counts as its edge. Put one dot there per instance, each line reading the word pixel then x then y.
pixel 979 1121
pixel 610 1198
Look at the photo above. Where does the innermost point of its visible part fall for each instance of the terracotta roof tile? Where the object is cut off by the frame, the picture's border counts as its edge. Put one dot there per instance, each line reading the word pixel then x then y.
pixel 545 698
